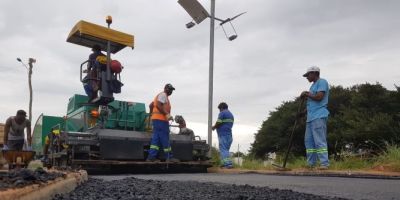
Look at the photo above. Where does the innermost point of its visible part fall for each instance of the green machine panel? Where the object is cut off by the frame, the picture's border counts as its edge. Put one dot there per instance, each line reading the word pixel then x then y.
pixel 122 115
pixel 43 127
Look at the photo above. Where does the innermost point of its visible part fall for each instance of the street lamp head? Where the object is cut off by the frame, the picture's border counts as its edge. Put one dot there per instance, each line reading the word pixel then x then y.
pixel 232 37
pixel 19 60
pixel 32 60
pixel 190 25
pixel 109 19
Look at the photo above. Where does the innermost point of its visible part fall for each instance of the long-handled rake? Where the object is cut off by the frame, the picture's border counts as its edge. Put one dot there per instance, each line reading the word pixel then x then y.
pixel 283 167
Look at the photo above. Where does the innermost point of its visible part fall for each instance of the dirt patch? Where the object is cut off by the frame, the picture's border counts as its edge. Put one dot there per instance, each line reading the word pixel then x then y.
pixel 385 168
pixel 383 174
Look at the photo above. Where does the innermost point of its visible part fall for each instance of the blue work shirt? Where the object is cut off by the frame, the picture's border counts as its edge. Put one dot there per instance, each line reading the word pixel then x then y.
pixel 318 109
pixel 226 119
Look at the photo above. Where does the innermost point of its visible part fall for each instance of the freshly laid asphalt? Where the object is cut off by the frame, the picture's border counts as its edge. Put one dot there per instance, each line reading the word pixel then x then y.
pixel 331 187
pixel 133 188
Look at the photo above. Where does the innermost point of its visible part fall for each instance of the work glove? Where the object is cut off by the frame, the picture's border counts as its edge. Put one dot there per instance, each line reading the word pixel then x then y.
pixel 5 147
pixel 169 117
pixel 304 94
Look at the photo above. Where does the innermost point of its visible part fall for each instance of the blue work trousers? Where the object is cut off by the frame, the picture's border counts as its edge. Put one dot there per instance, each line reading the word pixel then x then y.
pixel 160 140
pixel 225 141
pixel 315 142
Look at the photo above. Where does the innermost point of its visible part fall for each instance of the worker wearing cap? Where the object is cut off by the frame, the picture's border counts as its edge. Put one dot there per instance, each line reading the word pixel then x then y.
pixel 224 126
pixel 161 115
pixel 317 115
pixel 14 136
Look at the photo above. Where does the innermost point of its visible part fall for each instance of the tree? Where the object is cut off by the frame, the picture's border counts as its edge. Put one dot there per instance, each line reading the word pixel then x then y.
pixel 365 115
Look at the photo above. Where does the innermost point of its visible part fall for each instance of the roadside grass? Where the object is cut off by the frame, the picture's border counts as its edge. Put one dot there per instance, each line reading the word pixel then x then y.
pixel 296 163
pixel 351 163
pixel 254 164
pixel 215 158
pixel 390 159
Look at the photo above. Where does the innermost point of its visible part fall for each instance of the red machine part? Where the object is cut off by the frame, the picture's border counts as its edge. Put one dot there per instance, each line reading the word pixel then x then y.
pixel 116 66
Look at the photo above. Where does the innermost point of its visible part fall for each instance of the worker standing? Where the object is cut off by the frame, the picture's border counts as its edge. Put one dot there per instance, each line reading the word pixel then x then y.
pixel 161 115
pixel 14 132
pixel 317 115
pixel 90 84
pixel 224 126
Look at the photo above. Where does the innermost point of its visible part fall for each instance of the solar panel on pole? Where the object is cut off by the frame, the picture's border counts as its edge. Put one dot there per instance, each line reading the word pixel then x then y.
pixel 194 9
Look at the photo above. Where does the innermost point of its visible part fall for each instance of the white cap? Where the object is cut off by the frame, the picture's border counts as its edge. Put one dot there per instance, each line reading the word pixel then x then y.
pixel 311 69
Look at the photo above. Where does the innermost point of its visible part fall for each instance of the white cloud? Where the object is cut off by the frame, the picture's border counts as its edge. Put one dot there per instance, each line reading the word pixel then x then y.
pixel 352 42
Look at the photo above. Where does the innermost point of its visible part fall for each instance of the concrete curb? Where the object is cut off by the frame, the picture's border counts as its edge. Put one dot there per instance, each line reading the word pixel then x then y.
pixel 322 173
pixel 47 190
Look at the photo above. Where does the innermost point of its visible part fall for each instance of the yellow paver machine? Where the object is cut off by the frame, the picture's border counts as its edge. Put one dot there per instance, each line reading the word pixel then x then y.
pixel 99 133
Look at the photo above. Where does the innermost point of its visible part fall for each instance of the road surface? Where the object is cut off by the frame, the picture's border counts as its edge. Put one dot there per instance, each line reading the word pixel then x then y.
pixel 350 188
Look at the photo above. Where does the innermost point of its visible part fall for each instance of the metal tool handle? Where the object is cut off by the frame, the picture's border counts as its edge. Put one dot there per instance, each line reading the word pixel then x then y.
pixel 292 133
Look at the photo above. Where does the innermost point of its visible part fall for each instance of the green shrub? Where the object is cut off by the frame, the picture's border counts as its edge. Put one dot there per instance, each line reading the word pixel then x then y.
pixel 390 157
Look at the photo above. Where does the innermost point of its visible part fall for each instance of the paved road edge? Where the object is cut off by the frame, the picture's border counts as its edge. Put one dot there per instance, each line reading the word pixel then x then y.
pixel 48 190
pixel 323 173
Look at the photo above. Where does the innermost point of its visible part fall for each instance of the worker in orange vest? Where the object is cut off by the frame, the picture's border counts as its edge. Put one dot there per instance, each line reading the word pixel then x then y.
pixel 160 116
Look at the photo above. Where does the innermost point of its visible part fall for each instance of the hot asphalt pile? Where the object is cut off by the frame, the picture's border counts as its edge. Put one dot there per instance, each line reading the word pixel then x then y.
pixel 132 188
pixel 23 177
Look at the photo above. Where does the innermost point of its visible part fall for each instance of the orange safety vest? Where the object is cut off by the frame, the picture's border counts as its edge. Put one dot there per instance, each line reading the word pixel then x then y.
pixel 156 114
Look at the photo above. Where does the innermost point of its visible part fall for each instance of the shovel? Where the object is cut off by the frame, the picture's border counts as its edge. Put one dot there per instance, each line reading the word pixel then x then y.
pixel 283 167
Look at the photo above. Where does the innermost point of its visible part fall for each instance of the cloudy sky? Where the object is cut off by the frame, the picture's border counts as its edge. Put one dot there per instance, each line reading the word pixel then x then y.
pixel 351 41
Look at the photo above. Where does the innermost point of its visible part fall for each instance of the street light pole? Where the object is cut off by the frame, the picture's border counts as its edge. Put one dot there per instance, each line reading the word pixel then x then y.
pixel 31 61
pixel 211 73
pixel 199 14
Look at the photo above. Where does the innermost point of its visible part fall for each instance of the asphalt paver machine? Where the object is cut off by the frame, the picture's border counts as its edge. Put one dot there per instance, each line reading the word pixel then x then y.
pixel 107 135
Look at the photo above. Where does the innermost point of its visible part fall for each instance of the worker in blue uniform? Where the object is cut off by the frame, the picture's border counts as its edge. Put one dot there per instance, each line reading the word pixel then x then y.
pixel 224 126
pixel 317 115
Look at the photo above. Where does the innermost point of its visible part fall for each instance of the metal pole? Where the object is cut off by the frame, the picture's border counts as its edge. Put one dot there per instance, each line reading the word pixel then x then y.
pixel 30 88
pixel 211 76
pixel 108 58
pixel 238 156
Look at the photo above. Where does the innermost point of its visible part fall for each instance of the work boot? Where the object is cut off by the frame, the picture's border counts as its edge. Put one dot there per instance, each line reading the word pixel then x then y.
pixel 173 160
pixel 152 160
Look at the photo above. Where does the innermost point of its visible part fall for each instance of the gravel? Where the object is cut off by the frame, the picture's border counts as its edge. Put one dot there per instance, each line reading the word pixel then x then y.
pixel 133 188
pixel 24 177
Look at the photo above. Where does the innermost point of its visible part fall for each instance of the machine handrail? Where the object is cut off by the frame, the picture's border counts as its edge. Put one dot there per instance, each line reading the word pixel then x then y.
pixel 81 69
pixel 93 79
